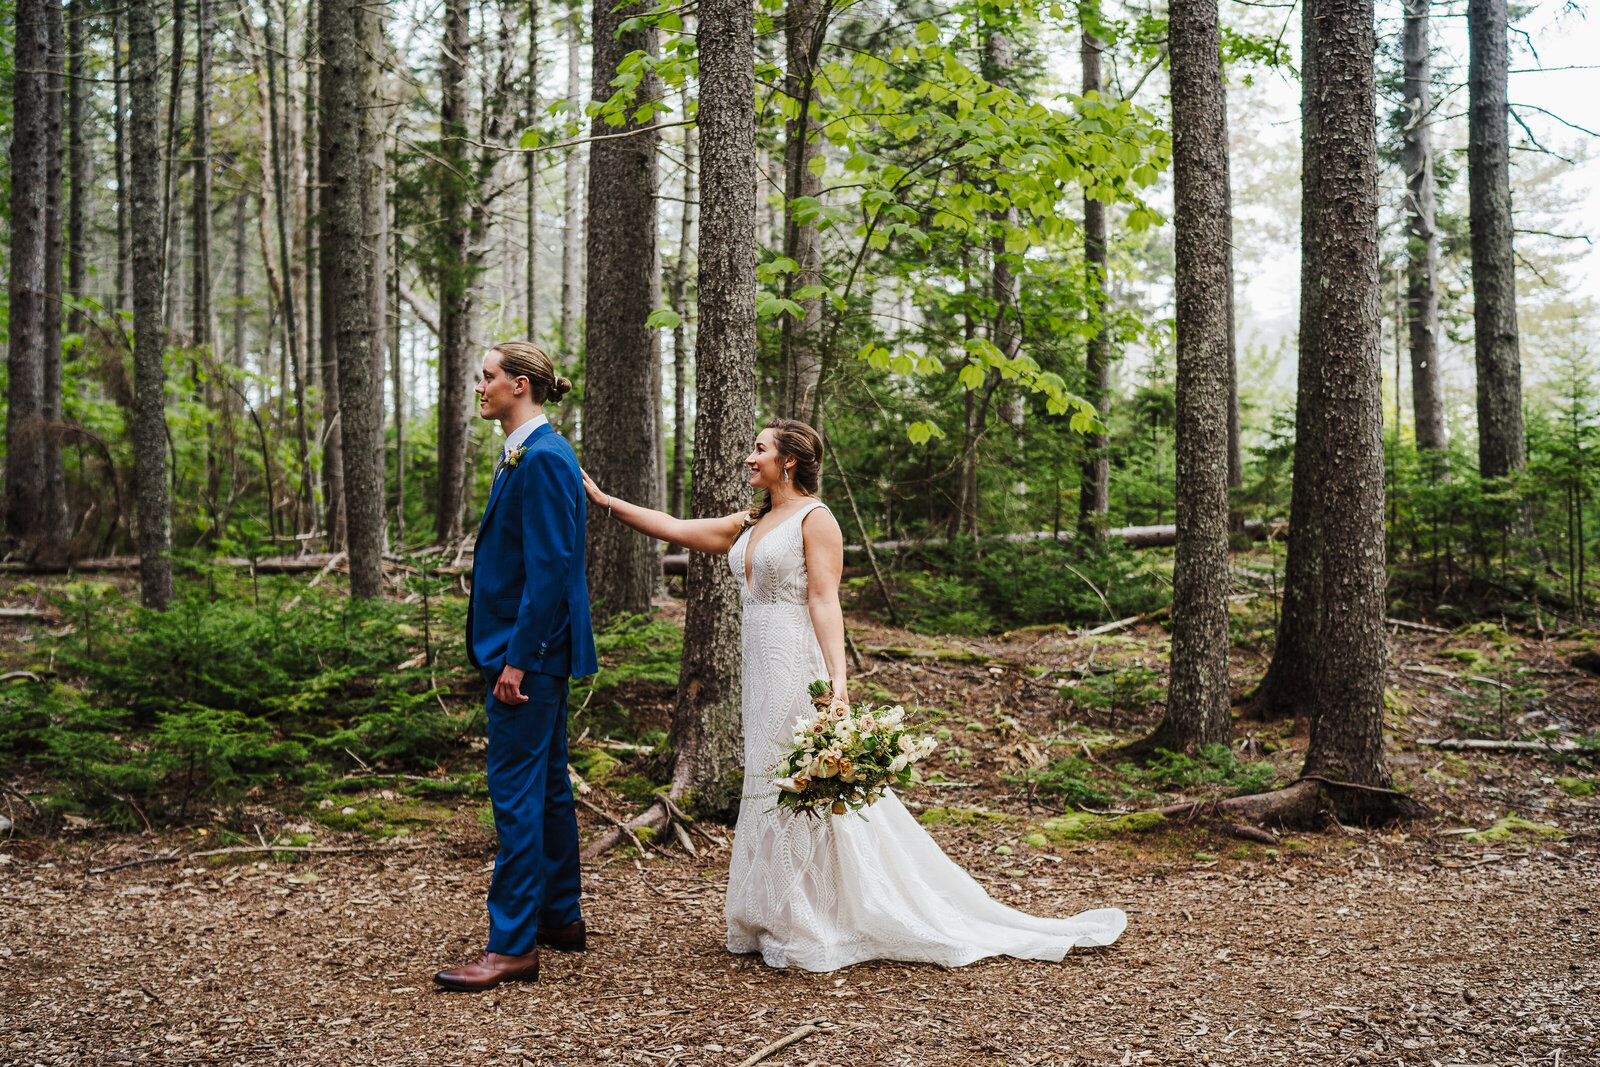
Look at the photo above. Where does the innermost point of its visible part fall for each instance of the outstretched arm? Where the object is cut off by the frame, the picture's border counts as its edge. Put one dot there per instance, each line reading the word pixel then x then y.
pixel 712 536
pixel 824 545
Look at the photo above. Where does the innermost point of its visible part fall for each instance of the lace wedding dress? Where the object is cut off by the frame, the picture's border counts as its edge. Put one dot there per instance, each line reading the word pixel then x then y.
pixel 820 896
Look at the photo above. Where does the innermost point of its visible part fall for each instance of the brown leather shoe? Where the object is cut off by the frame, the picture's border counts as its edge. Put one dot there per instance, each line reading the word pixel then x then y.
pixel 489 970
pixel 572 937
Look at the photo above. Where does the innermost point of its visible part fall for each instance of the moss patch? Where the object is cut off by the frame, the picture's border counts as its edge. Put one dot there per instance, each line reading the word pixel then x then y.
pixel 964 817
pixel 1576 787
pixel 594 763
pixel 1511 826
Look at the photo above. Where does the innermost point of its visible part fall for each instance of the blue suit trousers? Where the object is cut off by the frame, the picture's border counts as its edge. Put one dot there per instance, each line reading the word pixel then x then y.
pixel 536 876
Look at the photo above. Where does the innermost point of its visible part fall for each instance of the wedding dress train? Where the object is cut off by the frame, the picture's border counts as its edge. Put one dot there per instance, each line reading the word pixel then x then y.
pixel 819 895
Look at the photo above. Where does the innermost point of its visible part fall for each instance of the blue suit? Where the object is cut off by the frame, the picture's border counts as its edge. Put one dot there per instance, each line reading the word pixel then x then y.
pixel 530 609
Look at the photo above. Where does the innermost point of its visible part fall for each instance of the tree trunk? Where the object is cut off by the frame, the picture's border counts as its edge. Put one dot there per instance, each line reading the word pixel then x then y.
pixel 706 728
pixel 1347 692
pixel 334 517
pixel 149 375
pixel 205 25
pixel 78 170
pixel 623 287
pixel 1094 492
pixel 1197 696
pixel 286 292
pixel 239 247
pixel 1235 442
pixel 805 26
pixel 54 526
pixel 572 192
pixel 169 172
pixel 680 338
pixel 455 309
pixel 1422 237
pixel 1286 690
pixel 119 73
pixel 1494 281
pixel 353 263
pixel 531 191
pixel 30 170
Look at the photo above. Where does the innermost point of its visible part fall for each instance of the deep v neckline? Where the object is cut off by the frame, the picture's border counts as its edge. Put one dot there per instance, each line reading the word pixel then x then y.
pixel 750 544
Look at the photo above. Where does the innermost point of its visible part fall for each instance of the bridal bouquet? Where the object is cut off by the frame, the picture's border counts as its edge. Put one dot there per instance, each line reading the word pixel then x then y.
pixel 844 758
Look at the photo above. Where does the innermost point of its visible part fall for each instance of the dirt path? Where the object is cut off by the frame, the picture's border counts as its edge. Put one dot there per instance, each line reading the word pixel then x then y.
pixel 1359 948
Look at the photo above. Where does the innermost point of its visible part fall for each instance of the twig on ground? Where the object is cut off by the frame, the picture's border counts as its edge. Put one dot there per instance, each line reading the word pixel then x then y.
pixel 627 830
pixel 800 1033
pixel 1489 745
pixel 174 858
pixel 1418 626
pixel 25 798
pixel 338 558
pixel 11 676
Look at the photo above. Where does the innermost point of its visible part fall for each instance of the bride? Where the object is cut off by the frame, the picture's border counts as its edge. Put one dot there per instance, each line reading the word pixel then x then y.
pixel 824 895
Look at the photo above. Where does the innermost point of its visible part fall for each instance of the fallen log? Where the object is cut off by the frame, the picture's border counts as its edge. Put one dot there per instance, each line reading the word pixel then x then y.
pixel 1482 744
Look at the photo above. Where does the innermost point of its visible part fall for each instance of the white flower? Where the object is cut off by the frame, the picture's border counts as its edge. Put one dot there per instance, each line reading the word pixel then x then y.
pixel 790 785
pixel 866 723
pixel 907 745
pixel 898 764
pixel 925 746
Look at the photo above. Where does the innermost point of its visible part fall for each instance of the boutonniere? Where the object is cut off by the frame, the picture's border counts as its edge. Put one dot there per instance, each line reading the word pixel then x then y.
pixel 511 459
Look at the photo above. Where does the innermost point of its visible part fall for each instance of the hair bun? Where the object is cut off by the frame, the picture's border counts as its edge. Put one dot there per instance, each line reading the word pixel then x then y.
pixel 560 388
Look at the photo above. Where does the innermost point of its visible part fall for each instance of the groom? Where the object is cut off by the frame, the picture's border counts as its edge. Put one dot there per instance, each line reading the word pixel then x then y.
pixel 528 631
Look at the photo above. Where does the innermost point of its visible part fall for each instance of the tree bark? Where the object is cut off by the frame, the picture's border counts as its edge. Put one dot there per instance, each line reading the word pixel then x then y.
pixel 331 433
pixel 455 308
pixel 1347 692
pixel 531 190
pixel 239 252
pixel 572 193
pixel 805 26
pixel 200 229
pixel 623 286
pixel 1494 281
pixel 169 172
pixel 353 273
pixel 680 338
pixel 120 146
pixel 1197 695
pixel 706 727
pixel 1286 690
pixel 30 169
pixel 54 526
pixel 1235 441
pixel 1094 486
pixel 78 169
pixel 149 376
pixel 1422 236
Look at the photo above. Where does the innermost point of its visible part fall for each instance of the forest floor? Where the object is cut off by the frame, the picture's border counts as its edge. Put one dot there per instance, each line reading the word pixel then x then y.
pixel 1470 937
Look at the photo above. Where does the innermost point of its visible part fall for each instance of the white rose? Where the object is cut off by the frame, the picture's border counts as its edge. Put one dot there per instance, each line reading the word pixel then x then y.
pixel 907 745
pixel 898 764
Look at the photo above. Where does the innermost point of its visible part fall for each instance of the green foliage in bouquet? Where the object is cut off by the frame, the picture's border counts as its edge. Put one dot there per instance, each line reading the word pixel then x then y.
pixel 844 758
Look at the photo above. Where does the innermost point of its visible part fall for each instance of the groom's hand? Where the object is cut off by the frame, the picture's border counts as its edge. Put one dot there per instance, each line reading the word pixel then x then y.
pixel 508 690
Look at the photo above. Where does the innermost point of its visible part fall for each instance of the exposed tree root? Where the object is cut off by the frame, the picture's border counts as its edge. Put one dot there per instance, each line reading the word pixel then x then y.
pixel 1306 803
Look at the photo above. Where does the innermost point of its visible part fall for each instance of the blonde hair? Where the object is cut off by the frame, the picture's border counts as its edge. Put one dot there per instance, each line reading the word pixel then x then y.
pixel 524 359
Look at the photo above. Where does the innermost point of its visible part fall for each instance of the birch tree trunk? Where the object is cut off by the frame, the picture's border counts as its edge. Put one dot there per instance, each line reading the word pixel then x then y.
pixel 1422 236
pixel 1494 277
pixel 153 503
pixel 1197 701
pixel 1347 693
pixel 78 168
pixel 200 229
pixel 706 728
pixel 1094 486
pixel 805 26
pixel 572 196
pixel 680 340
pixel 620 424
pixel 120 147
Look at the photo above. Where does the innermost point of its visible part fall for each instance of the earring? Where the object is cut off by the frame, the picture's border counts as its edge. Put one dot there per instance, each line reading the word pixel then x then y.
pixel 786 476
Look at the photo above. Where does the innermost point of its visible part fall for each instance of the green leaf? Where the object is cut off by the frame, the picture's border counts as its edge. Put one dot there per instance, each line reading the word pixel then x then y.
pixel 972 376
pixel 927 33
pixel 922 432
pixel 530 137
pixel 664 318
pixel 817 164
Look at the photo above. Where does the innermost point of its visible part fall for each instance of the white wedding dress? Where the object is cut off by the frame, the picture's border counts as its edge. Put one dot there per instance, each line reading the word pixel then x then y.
pixel 823 895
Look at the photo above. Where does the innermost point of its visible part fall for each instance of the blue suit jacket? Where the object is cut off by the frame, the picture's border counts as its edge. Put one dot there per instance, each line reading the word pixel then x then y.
pixel 530 596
